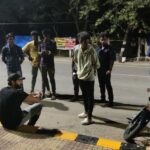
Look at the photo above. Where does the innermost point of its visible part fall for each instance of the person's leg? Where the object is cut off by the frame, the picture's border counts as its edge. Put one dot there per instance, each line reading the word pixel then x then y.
pixel 76 86
pixel 101 80
pixel 109 89
pixel 51 73
pixel 44 79
pixel 34 76
pixel 47 83
pixel 31 113
pixel 90 98
pixel 84 93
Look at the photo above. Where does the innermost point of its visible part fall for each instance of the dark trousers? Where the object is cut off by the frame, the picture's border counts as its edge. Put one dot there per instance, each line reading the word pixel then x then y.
pixel 34 76
pixel 45 83
pixel 31 113
pixel 87 88
pixel 105 83
pixel 76 85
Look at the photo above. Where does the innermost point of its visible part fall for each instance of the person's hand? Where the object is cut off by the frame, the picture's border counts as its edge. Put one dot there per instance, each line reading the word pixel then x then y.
pixel 37 95
pixel 30 58
pixel 108 72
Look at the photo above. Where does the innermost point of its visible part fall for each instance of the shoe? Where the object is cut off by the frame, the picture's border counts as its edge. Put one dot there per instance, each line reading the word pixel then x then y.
pixel 53 97
pixel 87 121
pixel 75 98
pixel 109 105
pixel 48 94
pixel 102 101
pixel 82 115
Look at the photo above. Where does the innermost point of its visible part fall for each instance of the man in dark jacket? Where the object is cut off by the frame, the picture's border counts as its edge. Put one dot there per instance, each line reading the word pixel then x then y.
pixel 106 57
pixel 12 55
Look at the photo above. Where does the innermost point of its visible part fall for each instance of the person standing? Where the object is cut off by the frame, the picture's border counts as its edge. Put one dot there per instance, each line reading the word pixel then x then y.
pixel 106 57
pixel 75 78
pixel 12 55
pixel 87 63
pixel 11 98
pixel 31 50
pixel 47 50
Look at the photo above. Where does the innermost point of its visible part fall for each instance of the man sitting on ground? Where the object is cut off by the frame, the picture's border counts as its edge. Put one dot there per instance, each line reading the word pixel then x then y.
pixel 11 98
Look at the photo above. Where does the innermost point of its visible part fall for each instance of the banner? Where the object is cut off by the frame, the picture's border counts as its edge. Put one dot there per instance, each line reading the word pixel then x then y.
pixel 65 43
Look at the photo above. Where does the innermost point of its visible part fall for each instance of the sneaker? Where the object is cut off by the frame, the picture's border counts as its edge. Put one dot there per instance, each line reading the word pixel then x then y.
pixel 75 98
pixel 82 115
pixel 53 97
pixel 109 105
pixel 87 121
pixel 48 94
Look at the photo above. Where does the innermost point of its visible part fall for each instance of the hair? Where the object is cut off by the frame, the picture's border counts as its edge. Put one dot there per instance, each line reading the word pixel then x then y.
pixel 34 33
pixel 10 83
pixel 83 36
pixel 45 32
pixel 103 34
pixel 9 35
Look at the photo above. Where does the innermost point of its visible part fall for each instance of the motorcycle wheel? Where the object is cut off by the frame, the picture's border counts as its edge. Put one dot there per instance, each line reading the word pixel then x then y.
pixel 136 125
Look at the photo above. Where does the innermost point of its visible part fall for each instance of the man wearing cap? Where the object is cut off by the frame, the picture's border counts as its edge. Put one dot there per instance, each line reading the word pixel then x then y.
pixel 31 50
pixel 11 98
pixel 12 55
pixel 47 50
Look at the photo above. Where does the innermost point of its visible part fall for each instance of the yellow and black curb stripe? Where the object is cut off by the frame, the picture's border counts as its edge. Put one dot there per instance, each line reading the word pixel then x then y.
pixel 102 142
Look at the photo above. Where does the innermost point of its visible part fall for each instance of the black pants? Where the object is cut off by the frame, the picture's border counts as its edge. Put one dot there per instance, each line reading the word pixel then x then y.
pixel 87 88
pixel 51 72
pixel 76 85
pixel 105 83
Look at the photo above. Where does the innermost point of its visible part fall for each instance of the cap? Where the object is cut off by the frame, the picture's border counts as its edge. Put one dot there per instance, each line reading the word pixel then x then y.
pixel 15 76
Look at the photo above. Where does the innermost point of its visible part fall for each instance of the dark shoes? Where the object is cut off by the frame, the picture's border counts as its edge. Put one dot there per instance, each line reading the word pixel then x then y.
pixel 109 105
pixel 75 98
pixel 102 101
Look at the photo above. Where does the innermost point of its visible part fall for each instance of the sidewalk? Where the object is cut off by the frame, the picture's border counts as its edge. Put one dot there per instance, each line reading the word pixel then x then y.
pixel 34 138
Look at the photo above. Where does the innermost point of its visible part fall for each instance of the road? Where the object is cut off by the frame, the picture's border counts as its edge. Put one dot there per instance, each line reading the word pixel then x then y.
pixel 129 80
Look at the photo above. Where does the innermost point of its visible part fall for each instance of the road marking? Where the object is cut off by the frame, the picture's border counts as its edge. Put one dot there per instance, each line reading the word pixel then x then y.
pixel 109 143
pixel 67 136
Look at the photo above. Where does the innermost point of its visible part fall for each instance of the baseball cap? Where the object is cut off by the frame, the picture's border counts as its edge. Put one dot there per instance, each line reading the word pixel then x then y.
pixel 15 76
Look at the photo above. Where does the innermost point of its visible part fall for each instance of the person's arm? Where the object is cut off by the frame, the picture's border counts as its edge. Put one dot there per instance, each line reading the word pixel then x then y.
pixel 26 50
pixel 3 55
pixel 21 55
pixel 33 98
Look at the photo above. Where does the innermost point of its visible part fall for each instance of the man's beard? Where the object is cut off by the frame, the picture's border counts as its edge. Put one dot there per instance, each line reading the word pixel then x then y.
pixel 18 86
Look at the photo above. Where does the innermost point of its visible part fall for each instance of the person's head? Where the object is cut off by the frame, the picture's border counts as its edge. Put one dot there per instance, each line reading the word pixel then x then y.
pixel 103 38
pixel 46 33
pixel 10 39
pixel 34 35
pixel 83 38
pixel 15 80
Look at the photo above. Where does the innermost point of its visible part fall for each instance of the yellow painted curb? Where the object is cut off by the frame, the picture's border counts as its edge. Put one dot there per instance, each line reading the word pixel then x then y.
pixel 147 148
pixel 115 145
pixel 67 136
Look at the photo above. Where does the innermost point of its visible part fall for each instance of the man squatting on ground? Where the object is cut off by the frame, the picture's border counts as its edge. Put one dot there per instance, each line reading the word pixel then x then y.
pixel 11 98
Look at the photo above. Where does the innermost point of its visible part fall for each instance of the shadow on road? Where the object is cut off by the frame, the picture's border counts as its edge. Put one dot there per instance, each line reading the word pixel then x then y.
pixel 118 105
pixel 56 105
pixel 108 122
pixel 34 132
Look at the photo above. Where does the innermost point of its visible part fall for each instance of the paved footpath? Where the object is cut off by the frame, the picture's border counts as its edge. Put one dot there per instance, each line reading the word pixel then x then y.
pixel 35 138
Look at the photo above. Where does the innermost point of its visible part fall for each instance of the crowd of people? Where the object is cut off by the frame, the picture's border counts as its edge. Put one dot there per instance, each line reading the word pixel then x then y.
pixel 87 61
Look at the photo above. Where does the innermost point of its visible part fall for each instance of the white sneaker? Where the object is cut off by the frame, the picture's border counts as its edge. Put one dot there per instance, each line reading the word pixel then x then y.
pixel 82 115
pixel 87 121
pixel 53 97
